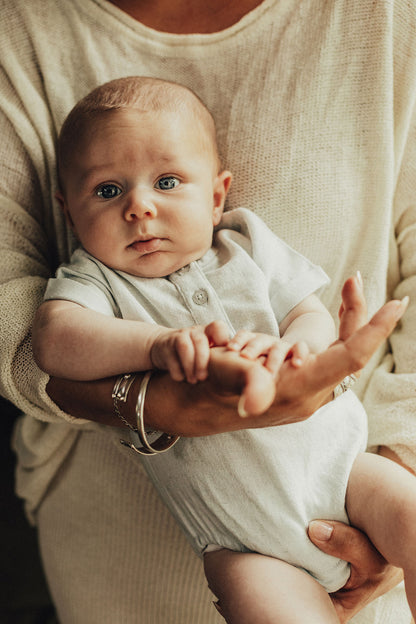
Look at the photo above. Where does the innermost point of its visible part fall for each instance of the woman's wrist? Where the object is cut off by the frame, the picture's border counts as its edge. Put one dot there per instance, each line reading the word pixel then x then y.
pixel 140 438
pixel 171 407
pixel 189 410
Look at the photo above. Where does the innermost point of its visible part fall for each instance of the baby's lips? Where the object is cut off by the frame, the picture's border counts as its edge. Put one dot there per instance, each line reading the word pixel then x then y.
pixel 147 246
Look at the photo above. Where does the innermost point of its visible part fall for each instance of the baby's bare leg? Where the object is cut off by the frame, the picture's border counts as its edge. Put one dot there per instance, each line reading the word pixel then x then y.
pixel 381 501
pixel 255 589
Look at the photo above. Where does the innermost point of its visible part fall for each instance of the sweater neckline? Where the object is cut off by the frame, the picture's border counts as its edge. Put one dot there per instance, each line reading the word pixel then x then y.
pixel 258 14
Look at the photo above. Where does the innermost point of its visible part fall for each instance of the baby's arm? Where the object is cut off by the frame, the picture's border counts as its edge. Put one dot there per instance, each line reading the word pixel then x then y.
pixel 73 342
pixel 311 323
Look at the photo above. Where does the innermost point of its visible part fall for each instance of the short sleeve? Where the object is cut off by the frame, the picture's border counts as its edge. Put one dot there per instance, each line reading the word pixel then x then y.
pixel 290 276
pixel 83 281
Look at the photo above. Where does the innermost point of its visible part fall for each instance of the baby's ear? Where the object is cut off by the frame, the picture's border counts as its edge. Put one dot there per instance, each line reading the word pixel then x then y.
pixel 61 201
pixel 221 185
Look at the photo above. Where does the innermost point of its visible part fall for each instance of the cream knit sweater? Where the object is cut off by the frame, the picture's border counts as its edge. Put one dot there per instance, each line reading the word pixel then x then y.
pixel 314 104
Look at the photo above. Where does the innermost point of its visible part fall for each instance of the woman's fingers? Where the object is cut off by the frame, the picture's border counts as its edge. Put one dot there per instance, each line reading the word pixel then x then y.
pixel 298 391
pixel 343 358
pixel 353 310
pixel 258 391
pixel 371 576
pixel 349 544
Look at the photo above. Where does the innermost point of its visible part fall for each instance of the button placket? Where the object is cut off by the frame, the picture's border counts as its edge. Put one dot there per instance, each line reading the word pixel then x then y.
pixel 198 295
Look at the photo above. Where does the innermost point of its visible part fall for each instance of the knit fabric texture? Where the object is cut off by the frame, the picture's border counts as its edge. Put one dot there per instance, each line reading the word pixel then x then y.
pixel 314 104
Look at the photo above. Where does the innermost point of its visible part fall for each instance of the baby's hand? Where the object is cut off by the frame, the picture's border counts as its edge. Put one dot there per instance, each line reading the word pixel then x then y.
pixel 271 350
pixel 185 352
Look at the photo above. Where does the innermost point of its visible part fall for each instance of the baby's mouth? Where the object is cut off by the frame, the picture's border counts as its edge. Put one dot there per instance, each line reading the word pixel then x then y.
pixel 147 246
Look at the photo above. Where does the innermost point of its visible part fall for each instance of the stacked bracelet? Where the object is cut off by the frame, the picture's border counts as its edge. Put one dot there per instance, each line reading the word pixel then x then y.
pixel 120 393
pixel 346 384
pixel 140 441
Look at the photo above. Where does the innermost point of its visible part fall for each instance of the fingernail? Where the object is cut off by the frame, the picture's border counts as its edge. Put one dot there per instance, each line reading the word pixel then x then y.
pixel 320 530
pixel 296 362
pixel 359 279
pixel 241 407
pixel 402 306
pixel 405 303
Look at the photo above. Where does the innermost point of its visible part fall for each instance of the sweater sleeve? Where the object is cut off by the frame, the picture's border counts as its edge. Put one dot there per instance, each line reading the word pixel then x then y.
pixel 25 256
pixel 390 398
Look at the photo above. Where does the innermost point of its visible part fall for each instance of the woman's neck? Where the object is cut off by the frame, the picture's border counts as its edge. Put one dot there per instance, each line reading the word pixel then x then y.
pixel 185 17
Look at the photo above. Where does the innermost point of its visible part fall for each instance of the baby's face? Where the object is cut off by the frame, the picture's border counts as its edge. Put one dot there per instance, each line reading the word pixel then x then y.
pixel 143 192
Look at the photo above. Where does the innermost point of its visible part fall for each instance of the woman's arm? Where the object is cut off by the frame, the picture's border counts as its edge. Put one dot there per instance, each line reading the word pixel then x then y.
pixel 25 256
pixel 211 406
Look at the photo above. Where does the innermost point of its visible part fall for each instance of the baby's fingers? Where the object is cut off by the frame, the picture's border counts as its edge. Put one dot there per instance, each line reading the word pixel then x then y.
pixel 240 340
pixel 217 333
pixel 201 347
pixel 298 354
pixel 275 358
pixel 251 345
pixel 192 350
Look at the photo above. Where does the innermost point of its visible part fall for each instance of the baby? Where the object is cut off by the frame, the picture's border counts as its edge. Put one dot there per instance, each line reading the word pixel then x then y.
pixel 162 276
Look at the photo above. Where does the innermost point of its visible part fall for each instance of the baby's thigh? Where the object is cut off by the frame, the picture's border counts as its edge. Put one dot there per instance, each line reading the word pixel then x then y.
pixel 256 588
pixel 381 501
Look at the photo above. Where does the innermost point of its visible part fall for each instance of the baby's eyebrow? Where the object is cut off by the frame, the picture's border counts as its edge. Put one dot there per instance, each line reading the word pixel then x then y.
pixel 91 173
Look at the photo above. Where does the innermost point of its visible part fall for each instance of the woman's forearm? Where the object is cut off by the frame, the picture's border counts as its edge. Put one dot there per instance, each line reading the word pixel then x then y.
pixel 210 406
pixel 172 407
pixel 90 400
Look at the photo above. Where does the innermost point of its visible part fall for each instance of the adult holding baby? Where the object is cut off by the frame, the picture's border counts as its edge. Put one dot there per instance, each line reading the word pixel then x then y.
pixel 79 460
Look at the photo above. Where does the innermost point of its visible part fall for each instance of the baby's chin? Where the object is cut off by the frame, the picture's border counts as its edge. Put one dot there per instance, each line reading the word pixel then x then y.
pixel 152 264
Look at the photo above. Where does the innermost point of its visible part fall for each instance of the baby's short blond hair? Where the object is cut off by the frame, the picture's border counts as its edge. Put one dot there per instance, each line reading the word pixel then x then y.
pixel 137 92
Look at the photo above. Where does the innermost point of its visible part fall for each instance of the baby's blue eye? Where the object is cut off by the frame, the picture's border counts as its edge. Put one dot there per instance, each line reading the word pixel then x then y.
pixel 167 183
pixel 108 191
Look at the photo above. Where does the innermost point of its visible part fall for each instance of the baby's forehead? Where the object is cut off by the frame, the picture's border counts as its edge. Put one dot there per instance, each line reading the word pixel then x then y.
pixel 178 124
pixel 187 121
pixel 160 119
pixel 131 135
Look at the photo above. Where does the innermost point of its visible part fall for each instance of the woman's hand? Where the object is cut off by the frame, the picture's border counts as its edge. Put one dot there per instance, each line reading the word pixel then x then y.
pixel 371 575
pixel 300 391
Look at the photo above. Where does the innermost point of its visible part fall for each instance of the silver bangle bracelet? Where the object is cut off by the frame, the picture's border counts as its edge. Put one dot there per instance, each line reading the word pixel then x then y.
pixel 345 385
pixel 140 437
pixel 120 393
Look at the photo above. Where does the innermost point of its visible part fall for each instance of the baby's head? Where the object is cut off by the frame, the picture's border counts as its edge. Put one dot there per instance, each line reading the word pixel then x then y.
pixel 143 94
pixel 139 172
